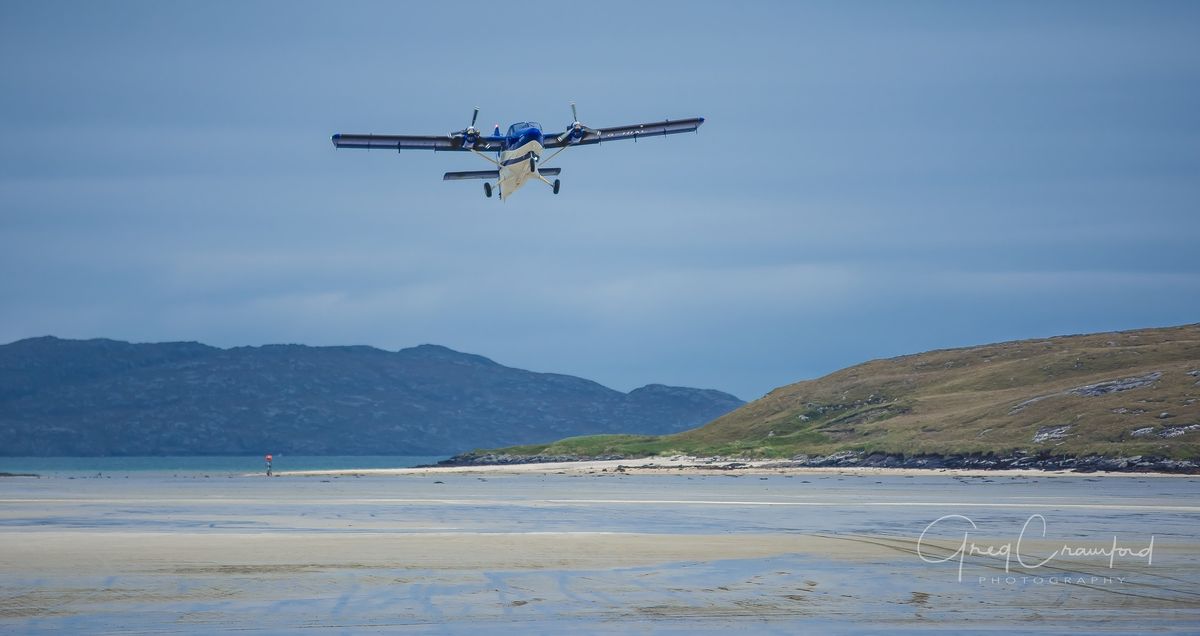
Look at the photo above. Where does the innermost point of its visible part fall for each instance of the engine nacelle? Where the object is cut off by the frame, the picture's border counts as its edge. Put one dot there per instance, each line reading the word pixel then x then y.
pixel 574 133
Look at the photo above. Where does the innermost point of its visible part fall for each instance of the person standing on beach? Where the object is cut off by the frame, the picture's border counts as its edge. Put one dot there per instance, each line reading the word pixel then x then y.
pixel 268 465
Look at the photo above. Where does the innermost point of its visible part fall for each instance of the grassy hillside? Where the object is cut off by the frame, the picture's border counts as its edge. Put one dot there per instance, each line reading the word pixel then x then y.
pixel 1125 393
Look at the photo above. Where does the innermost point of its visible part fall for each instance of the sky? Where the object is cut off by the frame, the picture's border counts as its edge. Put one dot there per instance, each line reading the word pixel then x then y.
pixel 872 179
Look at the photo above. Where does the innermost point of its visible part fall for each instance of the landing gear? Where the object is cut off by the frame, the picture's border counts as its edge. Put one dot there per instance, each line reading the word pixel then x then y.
pixel 487 189
pixel 533 164
pixel 553 184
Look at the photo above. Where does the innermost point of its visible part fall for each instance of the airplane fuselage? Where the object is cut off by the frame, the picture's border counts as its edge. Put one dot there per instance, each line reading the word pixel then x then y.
pixel 518 161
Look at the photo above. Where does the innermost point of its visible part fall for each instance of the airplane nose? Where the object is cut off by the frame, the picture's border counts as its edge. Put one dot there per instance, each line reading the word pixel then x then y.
pixel 531 134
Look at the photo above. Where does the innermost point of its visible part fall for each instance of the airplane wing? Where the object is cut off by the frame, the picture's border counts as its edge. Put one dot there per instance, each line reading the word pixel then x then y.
pixel 412 142
pixel 634 131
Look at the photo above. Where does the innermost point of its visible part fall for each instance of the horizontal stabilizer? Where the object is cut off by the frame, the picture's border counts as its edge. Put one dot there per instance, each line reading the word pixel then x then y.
pixel 490 174
pixel 471 174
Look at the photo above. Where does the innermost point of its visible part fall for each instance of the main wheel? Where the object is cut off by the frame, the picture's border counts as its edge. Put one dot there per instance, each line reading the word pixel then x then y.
pixel 487 189
pixel 532 164
pixel 556 184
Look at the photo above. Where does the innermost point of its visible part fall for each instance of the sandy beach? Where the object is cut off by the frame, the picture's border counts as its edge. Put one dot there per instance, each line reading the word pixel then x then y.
pixel 699 466
pixel 509 548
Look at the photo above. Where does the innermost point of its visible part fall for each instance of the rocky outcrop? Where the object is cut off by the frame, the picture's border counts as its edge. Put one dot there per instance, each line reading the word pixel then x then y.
pixel 1051 433
pixel 1097 389
pixel 1092 463
pixel 1114 386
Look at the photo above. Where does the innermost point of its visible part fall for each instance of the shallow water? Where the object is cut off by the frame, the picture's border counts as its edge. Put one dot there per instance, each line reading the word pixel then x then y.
pixel 595 553
pixel 192 465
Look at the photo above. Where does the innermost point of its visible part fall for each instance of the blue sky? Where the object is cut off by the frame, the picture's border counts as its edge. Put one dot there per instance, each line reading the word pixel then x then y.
pixel 873 179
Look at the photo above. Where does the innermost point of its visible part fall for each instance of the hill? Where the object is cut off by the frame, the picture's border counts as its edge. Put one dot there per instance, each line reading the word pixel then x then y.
pixel 1110 394
pixel 106 397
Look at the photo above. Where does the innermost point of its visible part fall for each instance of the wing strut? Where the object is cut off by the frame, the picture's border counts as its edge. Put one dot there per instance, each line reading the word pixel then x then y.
pixel 554 154
pixel 498 165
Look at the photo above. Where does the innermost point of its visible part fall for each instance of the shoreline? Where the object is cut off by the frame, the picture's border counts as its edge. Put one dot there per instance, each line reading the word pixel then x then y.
pixel 704 466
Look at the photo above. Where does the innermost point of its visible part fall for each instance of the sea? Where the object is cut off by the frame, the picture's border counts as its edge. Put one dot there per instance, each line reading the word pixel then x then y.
pixel 211 465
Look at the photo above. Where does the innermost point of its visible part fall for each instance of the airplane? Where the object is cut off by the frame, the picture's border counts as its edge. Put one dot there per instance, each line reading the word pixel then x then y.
pixel 519 151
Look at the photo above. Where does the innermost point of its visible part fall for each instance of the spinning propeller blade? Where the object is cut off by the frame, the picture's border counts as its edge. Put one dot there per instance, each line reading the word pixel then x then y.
pixel 469 129
pixel 576 130
pixel 469 134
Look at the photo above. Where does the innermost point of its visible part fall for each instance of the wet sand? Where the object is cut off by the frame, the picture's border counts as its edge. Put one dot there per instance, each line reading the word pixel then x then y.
pixel 455 552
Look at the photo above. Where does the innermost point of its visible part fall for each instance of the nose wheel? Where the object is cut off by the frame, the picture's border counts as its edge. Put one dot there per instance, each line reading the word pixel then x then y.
pixel 556 184
pixel 487 189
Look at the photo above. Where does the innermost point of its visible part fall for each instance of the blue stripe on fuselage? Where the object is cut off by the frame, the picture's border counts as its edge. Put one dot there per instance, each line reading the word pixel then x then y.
pixel 524 157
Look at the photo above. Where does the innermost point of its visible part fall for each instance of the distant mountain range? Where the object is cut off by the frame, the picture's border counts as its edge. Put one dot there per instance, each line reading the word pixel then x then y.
pixel 106 397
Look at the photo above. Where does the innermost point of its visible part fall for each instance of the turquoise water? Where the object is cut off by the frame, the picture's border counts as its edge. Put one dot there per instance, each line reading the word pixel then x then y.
pixel 219 465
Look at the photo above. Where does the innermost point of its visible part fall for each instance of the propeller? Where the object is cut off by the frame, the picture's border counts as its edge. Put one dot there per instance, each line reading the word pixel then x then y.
pixel 470 134
pixel 576 130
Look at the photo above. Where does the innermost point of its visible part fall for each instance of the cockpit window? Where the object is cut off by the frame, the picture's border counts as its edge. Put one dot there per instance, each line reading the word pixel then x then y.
pixel 514 129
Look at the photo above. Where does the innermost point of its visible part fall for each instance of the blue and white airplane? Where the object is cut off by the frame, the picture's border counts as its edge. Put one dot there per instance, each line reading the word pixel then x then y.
pixel 519 152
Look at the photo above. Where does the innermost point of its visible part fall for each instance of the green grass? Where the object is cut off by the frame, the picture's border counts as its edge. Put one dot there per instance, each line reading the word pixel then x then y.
pixel 957 401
